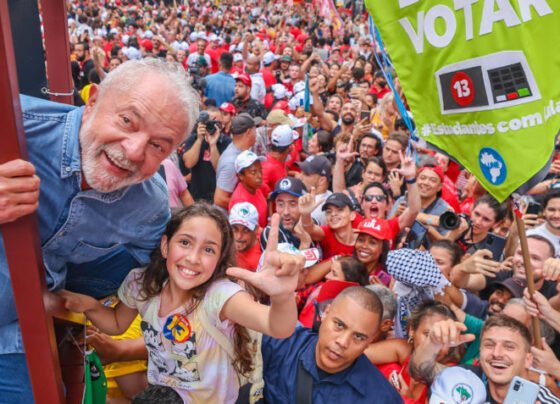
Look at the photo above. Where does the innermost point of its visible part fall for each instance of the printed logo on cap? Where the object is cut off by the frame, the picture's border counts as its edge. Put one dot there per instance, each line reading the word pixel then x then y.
pixel 372 224
pixel 243 212
pixel 462 393
pixel 285 184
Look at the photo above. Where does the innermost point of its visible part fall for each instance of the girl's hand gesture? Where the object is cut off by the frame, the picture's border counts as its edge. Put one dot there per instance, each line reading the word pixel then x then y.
pixel 408 166
pixel 278 276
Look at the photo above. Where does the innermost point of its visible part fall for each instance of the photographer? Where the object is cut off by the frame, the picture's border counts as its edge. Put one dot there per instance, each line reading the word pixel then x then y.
pixel 201 153
pixel 430 182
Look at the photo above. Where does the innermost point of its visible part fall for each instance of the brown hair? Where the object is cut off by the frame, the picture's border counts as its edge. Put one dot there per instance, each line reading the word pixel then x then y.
pixel 501 320
pixel 155 275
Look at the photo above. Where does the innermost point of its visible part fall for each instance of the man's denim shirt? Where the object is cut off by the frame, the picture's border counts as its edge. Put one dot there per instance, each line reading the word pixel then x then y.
pixel 77 226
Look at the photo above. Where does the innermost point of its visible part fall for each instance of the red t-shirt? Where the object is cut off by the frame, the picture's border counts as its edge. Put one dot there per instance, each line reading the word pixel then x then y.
pixel 214 58
pixel 380 93
pixel 331 246
pixel 268 77
pixel 249 259
pixel 273 171
pixel 240 194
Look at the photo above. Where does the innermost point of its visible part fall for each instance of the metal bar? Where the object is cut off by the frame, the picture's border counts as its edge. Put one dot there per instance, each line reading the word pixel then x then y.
pixel 57 49
pixel 21 242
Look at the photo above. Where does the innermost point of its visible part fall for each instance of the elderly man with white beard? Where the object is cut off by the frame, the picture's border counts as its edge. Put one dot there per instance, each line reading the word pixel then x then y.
pixel 90 179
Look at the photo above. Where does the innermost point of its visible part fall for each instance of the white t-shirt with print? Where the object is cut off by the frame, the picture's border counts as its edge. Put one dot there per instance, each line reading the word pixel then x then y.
pixel 189 360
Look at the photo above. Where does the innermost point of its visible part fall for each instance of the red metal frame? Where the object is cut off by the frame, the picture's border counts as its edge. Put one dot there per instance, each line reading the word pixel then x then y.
pixel 36 307
pixel 57 49
pixel 21 242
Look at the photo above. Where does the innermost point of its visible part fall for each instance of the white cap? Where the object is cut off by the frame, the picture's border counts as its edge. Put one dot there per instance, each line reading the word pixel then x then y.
pixel 457 385
pixel 299 86
pixel 213 37
pixel 298 123
pixel 245 214
pixel 283 136
pixel 193 36
pixel 246 159
pixel 269 57
pixel 201 35
pixel 237 57
pixel 148 34
pixel 124 39
pixel 132 53
pixel 280 91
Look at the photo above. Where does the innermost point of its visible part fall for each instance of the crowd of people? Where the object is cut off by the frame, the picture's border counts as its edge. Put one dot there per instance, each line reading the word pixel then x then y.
pixel 242 212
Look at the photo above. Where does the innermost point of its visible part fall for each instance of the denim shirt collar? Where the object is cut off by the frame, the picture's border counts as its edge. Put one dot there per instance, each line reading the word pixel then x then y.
pixel 71 162
pixel 352 375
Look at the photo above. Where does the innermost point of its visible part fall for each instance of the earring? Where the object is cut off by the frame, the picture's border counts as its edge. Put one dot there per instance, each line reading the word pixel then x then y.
pixel 410 340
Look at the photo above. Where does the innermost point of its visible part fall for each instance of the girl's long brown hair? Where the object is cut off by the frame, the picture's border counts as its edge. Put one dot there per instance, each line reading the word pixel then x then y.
pixel 156 274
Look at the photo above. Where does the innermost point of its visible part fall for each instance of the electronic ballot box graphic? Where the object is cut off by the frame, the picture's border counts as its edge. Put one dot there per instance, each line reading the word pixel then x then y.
pixel 498 80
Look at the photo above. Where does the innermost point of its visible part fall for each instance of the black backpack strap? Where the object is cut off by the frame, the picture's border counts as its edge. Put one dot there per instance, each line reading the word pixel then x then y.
pixel 304 385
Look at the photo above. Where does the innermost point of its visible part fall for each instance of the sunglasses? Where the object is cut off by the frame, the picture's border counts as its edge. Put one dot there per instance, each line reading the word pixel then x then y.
pixel 378 198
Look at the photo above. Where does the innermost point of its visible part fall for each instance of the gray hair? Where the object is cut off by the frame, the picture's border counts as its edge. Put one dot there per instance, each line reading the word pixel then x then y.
pixel 516 300
pixel 547 332
pixel 127 76
pixel 388 300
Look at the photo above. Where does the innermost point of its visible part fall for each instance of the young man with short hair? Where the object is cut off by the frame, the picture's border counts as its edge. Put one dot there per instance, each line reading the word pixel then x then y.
pixel 243 130
pixel 332 362
pixel 505 352
pixel 337 237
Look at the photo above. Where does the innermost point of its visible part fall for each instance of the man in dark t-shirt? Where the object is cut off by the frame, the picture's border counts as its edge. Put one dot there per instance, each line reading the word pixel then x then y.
pixel 200 153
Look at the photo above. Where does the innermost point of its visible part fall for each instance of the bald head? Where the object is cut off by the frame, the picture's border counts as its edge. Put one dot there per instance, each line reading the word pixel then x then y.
pixel 366 298
pixel 252 65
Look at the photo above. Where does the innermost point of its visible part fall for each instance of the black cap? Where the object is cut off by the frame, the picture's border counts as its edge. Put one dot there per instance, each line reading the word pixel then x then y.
pixel 515 285
pixel 289 185
pixel 378 73
pixel 316 165
pixel 337 199
pixel 242 122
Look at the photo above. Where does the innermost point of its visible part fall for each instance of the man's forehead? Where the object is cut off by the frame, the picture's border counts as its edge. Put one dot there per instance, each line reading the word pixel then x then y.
pixel 354 315
pixel 285 197
pixel 502 334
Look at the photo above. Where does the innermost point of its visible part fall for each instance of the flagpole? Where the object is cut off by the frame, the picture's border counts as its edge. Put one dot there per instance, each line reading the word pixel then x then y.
pixel 535 322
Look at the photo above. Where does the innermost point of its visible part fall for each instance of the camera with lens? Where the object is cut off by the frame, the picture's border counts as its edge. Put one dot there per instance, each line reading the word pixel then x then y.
pixel 450 220
pixel 210 124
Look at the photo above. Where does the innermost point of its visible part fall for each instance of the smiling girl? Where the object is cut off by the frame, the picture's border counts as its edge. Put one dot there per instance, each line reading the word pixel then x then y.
pixel 184 287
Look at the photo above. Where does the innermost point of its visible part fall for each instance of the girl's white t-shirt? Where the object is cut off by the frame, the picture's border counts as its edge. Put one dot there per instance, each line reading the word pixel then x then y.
pixel 181 354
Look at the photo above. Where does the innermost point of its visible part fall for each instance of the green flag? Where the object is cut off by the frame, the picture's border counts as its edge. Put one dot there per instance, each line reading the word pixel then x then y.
pixel 481 78
pixel 95 391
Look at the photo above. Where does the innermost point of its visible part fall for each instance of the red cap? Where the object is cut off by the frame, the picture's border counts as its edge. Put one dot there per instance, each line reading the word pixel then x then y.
pixel 283 106
pixel 436 169
pixel 332 288
pixel 375 227
pixel 244 78
pixel 228 107
pixel 148 45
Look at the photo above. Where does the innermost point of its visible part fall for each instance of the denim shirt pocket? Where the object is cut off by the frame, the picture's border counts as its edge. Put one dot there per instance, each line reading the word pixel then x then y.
pixel 84 252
